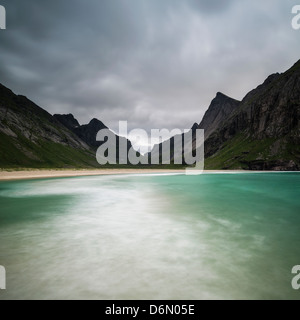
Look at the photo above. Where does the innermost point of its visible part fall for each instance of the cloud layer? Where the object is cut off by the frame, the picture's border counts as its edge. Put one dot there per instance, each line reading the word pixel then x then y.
pixel 155 63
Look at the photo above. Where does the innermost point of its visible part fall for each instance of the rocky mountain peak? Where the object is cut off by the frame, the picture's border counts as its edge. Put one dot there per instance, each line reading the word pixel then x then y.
pixel 297 64
pixel 263 133
pixel 221 95
pixel 220 108
pixel 95 123
pixel 67 120
pixel 195 126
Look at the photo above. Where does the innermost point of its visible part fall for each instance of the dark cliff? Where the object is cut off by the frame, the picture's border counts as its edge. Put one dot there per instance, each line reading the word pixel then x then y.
pixel 263 133
pixel 31 137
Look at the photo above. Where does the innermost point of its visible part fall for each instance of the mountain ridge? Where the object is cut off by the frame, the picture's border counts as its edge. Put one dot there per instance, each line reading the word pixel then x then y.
pixel 265 127
pixel 261 132
pixel 88 133
pixel 220 107
pixel 31 137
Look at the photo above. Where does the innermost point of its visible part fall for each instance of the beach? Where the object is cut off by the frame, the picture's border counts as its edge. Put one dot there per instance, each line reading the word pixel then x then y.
pixel 55 173
pixel 6 175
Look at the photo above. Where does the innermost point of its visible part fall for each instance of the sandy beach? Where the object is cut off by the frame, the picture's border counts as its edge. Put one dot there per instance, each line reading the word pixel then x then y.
pixel 42 174
pixel 61 173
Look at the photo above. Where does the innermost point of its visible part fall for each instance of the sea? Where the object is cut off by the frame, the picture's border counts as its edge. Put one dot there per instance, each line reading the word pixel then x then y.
pixel 151 236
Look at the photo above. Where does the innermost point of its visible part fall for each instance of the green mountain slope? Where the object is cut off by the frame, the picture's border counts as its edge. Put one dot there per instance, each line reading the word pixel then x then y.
pixel 31 137
pixel 263 133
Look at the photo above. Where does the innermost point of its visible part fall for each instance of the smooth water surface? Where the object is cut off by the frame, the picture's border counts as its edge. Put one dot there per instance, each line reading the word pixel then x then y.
pixel 213 236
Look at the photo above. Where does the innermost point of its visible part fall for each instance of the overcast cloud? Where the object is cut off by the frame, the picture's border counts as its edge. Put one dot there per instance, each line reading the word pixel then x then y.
pixel 155 63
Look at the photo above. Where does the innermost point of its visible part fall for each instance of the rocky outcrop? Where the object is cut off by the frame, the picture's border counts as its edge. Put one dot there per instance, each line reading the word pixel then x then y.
pixel 176 150
pixel 30 136
pixel 67 120
pixel 88 132
pixel 263 133
pixel 219 110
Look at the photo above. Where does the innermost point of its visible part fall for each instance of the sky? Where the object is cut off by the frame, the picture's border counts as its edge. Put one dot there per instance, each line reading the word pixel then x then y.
pixel 155 63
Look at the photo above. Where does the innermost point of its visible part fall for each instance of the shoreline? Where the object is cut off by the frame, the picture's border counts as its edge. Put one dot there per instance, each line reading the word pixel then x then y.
pixel 68 173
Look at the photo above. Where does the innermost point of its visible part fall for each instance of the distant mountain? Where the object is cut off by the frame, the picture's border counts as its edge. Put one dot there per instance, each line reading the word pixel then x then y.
pixel 88 132
pixel 31 137
pixel 67 120
pixel 261 132
pixel 176 148
pixel 219 110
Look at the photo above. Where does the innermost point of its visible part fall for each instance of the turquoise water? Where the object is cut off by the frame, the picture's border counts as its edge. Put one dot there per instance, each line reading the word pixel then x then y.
pixel 214 236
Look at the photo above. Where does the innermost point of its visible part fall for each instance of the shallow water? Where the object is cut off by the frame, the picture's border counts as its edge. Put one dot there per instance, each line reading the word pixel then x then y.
pixel 213 236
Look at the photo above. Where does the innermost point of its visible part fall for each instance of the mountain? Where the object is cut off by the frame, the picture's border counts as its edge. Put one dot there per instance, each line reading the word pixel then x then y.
pixel 88 132
pixel 68 121
pixel 263 131
pixel 175 144
pixel 219 110
pixel 31 137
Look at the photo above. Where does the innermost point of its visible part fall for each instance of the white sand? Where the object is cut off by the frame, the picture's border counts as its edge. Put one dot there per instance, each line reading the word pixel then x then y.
pixel 39 174
pixel 61 173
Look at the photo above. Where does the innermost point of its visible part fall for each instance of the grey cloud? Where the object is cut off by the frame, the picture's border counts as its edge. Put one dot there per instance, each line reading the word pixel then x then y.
pixel 155 63
pixel 212 6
